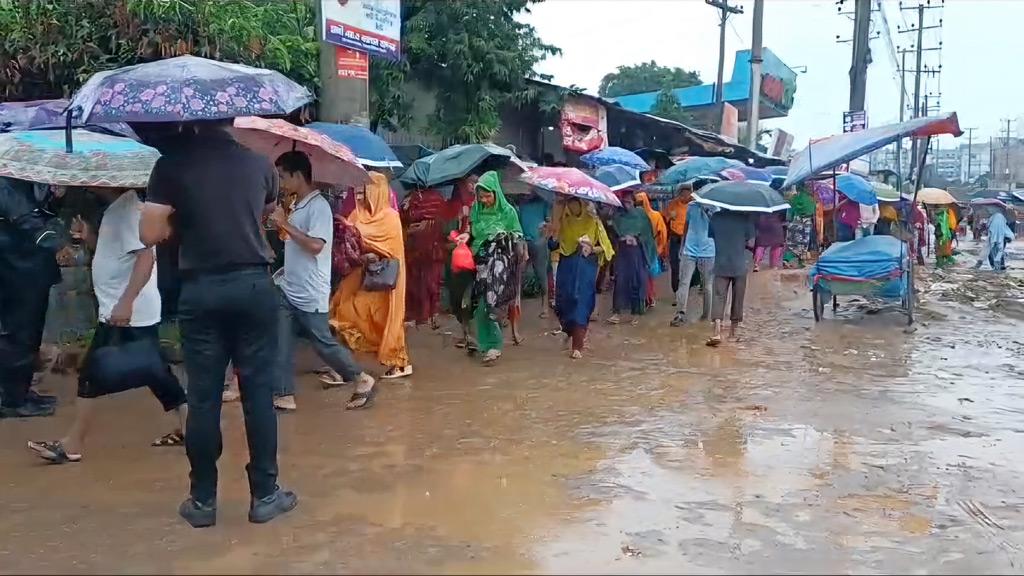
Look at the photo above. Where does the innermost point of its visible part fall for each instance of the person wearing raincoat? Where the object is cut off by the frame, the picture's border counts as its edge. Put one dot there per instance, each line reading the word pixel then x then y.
pixel 999 235
pixel 374 321
pixel 583 246
pixel 494 230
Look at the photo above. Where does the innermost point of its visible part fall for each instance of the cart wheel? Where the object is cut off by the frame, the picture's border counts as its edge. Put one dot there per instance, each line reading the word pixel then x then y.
pixel 910 299
pixel 835 303
pixel 819 304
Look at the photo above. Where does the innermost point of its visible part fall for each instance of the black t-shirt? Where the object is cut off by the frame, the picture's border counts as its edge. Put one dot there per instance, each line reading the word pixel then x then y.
pixel 731 231
pixel 218 189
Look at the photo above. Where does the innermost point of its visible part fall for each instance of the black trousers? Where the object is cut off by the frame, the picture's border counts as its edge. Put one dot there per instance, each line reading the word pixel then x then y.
pixel 167 390
pixel 22 319
pixel 224 316
pixel 675 243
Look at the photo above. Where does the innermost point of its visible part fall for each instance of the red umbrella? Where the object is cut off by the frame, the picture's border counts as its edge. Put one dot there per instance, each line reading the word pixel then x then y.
pixel 333 163
pixel 571 182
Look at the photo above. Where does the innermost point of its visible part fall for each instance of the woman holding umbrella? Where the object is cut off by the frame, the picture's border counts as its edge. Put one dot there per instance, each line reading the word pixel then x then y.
pixel 635 251
pixel 494 229
pixel 424 214
pixel 583 246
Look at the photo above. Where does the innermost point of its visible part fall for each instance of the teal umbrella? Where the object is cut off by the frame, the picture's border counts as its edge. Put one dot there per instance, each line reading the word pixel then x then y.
pixel 456 162
pixel 97 160
pixel 696 167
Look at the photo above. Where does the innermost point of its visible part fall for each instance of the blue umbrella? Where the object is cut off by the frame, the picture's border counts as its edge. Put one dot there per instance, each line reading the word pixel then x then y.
pixel 371 149
pixel 695 167
pixel 857 189
pixel 613 155
pixel 777 171
pixel 617 177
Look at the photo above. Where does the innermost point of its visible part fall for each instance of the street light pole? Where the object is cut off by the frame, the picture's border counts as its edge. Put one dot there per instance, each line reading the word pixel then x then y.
pixel 725 10
pixel 754 114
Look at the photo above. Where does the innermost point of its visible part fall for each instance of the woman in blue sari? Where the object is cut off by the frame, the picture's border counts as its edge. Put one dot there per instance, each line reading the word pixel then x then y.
pixel 583 247
pixel 635 253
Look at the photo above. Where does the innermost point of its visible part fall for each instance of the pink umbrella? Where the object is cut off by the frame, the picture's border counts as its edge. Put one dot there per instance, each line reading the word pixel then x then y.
pixel 333 163
pixel 571 182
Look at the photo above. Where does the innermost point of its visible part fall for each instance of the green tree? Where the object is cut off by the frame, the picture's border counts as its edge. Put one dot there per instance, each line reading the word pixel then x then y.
pixel 474 54
pixel 645 77
pixel 667 106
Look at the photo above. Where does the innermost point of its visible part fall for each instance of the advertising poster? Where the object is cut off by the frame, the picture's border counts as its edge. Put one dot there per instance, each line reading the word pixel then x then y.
pixel 730 122
pixel 352 63
pixel 371 26
pixel 584 125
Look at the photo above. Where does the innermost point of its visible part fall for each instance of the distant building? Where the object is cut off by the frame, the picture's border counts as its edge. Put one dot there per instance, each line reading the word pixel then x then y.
pixel 1007 157
pixel 947 163
pixel 885 159
pixel 977 164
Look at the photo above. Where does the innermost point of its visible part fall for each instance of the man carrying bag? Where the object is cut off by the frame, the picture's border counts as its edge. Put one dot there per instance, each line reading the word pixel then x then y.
pixel 125 348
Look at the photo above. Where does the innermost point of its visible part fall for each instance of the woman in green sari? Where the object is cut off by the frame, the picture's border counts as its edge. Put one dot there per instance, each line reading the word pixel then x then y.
pixel 635 254
pixel 494 229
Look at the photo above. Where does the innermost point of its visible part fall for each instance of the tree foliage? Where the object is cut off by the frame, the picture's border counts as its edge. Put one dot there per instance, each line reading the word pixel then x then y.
pixel 49 47
pixel 473 54
pixel 645 77
pixel 667 106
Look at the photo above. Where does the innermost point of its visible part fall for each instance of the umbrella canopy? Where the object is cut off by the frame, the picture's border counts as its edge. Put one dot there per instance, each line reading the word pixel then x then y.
pixel 741 197
pixel 371 149
pixel 884 192
pixel 333 163
pixel 777 170
pixel 695 167
pixel 856 188
pixel 571 182
pixel 617 177
pixel 456 162
pixel 831 152
pixel 409 153
pixel 988 202
pixel 49 114
pixel 824 192
pixel 656 157
pixel 98 159
pixel 186 88
pixel 746 174
pixel 611 156
pixel 935 196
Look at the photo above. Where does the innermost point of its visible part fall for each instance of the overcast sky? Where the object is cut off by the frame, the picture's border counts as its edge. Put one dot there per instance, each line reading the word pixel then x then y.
pixel 980 79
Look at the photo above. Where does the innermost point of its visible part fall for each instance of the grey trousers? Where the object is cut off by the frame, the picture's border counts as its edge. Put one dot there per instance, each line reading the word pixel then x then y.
pixel 687 265
pixel 315 327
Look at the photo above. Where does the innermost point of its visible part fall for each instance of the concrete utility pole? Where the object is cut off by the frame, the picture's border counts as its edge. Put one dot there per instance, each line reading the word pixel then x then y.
pixel 917 77
pixel 861 54
pixel 1006 149
pixel 754 115
pixel 725 10
pixel 970 141
pixel 341 99
pixel 919 50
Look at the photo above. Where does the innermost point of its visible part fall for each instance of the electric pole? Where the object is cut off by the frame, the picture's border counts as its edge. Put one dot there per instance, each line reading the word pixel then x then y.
pixel 754 114
pixel 725 10
pixel 861 54
pixel 1006 150
pixel 919 51
pixel 970 141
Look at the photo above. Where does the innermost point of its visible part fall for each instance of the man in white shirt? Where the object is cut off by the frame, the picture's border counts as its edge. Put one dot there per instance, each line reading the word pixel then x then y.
pixel 869 214
pixel 125 283
pixel 305 281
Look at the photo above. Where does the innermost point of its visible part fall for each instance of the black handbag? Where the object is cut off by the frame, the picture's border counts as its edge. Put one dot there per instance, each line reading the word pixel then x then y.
pixel 381 276
pixel 125 365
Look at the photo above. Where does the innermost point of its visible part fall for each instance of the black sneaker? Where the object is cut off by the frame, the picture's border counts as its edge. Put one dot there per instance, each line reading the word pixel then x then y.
pixel 37 398
pixel 266 509
pixel 27 410
pixel 197 514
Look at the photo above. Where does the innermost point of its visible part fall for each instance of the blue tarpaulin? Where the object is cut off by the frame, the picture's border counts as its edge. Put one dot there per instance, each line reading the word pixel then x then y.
pixel 871 257
pixel 829 153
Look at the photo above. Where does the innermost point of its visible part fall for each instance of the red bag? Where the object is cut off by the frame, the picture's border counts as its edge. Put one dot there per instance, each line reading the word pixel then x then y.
pixel 462 259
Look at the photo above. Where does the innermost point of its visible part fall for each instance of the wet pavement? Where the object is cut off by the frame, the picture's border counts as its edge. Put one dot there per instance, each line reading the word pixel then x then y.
pixel 852 445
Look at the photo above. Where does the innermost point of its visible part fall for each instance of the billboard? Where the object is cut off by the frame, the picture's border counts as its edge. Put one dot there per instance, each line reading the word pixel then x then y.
pixel 352 63
pixel 584 125
pixel 371 26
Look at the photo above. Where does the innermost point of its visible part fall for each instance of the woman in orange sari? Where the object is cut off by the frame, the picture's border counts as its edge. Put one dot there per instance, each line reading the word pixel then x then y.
pixel 374 321
pixel 660 242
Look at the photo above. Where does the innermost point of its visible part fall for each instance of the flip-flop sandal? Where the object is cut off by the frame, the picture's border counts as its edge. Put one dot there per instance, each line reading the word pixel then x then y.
pixel 714 341
pixel 53 452
pixel 367 398
pixel 175 438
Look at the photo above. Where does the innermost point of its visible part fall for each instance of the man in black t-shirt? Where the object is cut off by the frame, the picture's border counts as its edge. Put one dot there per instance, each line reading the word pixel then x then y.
pixel 216 192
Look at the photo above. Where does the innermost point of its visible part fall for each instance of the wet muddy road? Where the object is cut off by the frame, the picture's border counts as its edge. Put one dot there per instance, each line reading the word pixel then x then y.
pixel 847 446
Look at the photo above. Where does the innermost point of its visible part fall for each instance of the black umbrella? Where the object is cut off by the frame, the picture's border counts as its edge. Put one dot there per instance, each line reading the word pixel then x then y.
pixel 741 197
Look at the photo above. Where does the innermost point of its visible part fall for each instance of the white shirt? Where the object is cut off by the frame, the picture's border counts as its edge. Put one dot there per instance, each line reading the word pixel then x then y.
pixel 116 244
pixel 306 281
pixel 869 215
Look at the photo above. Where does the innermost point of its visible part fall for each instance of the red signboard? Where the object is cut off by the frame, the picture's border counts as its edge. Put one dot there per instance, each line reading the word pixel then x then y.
pixel 352 63
pixel 584 125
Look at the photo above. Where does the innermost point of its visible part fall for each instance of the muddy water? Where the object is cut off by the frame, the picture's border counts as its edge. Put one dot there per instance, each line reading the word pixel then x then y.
pixel 847 446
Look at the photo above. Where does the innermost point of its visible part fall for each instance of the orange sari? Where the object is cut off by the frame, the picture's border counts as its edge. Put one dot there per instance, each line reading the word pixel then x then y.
pixel 374 321
pixel 657 223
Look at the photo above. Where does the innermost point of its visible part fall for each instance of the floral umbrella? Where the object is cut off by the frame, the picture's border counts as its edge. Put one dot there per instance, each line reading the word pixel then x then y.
pixel 333 163
pixel 571 182
pixel 185 88
pixel 98 159
pixel 746 174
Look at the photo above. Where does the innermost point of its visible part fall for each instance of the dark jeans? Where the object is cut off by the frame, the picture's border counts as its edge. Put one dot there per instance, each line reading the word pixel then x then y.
pixel 313 326
pixel 675 242
pixel 22 318
pixel 230 316
pixel 168 390
pixel 723 285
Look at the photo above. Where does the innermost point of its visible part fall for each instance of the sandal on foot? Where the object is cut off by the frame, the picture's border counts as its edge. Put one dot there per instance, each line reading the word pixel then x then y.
pixel 175 438
pixel 53 452
pixel 714 341
pixel 397 372
pixel 366 398
pixel 613 319
pixel 491 357
pixel 576 355
pixel 331 379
